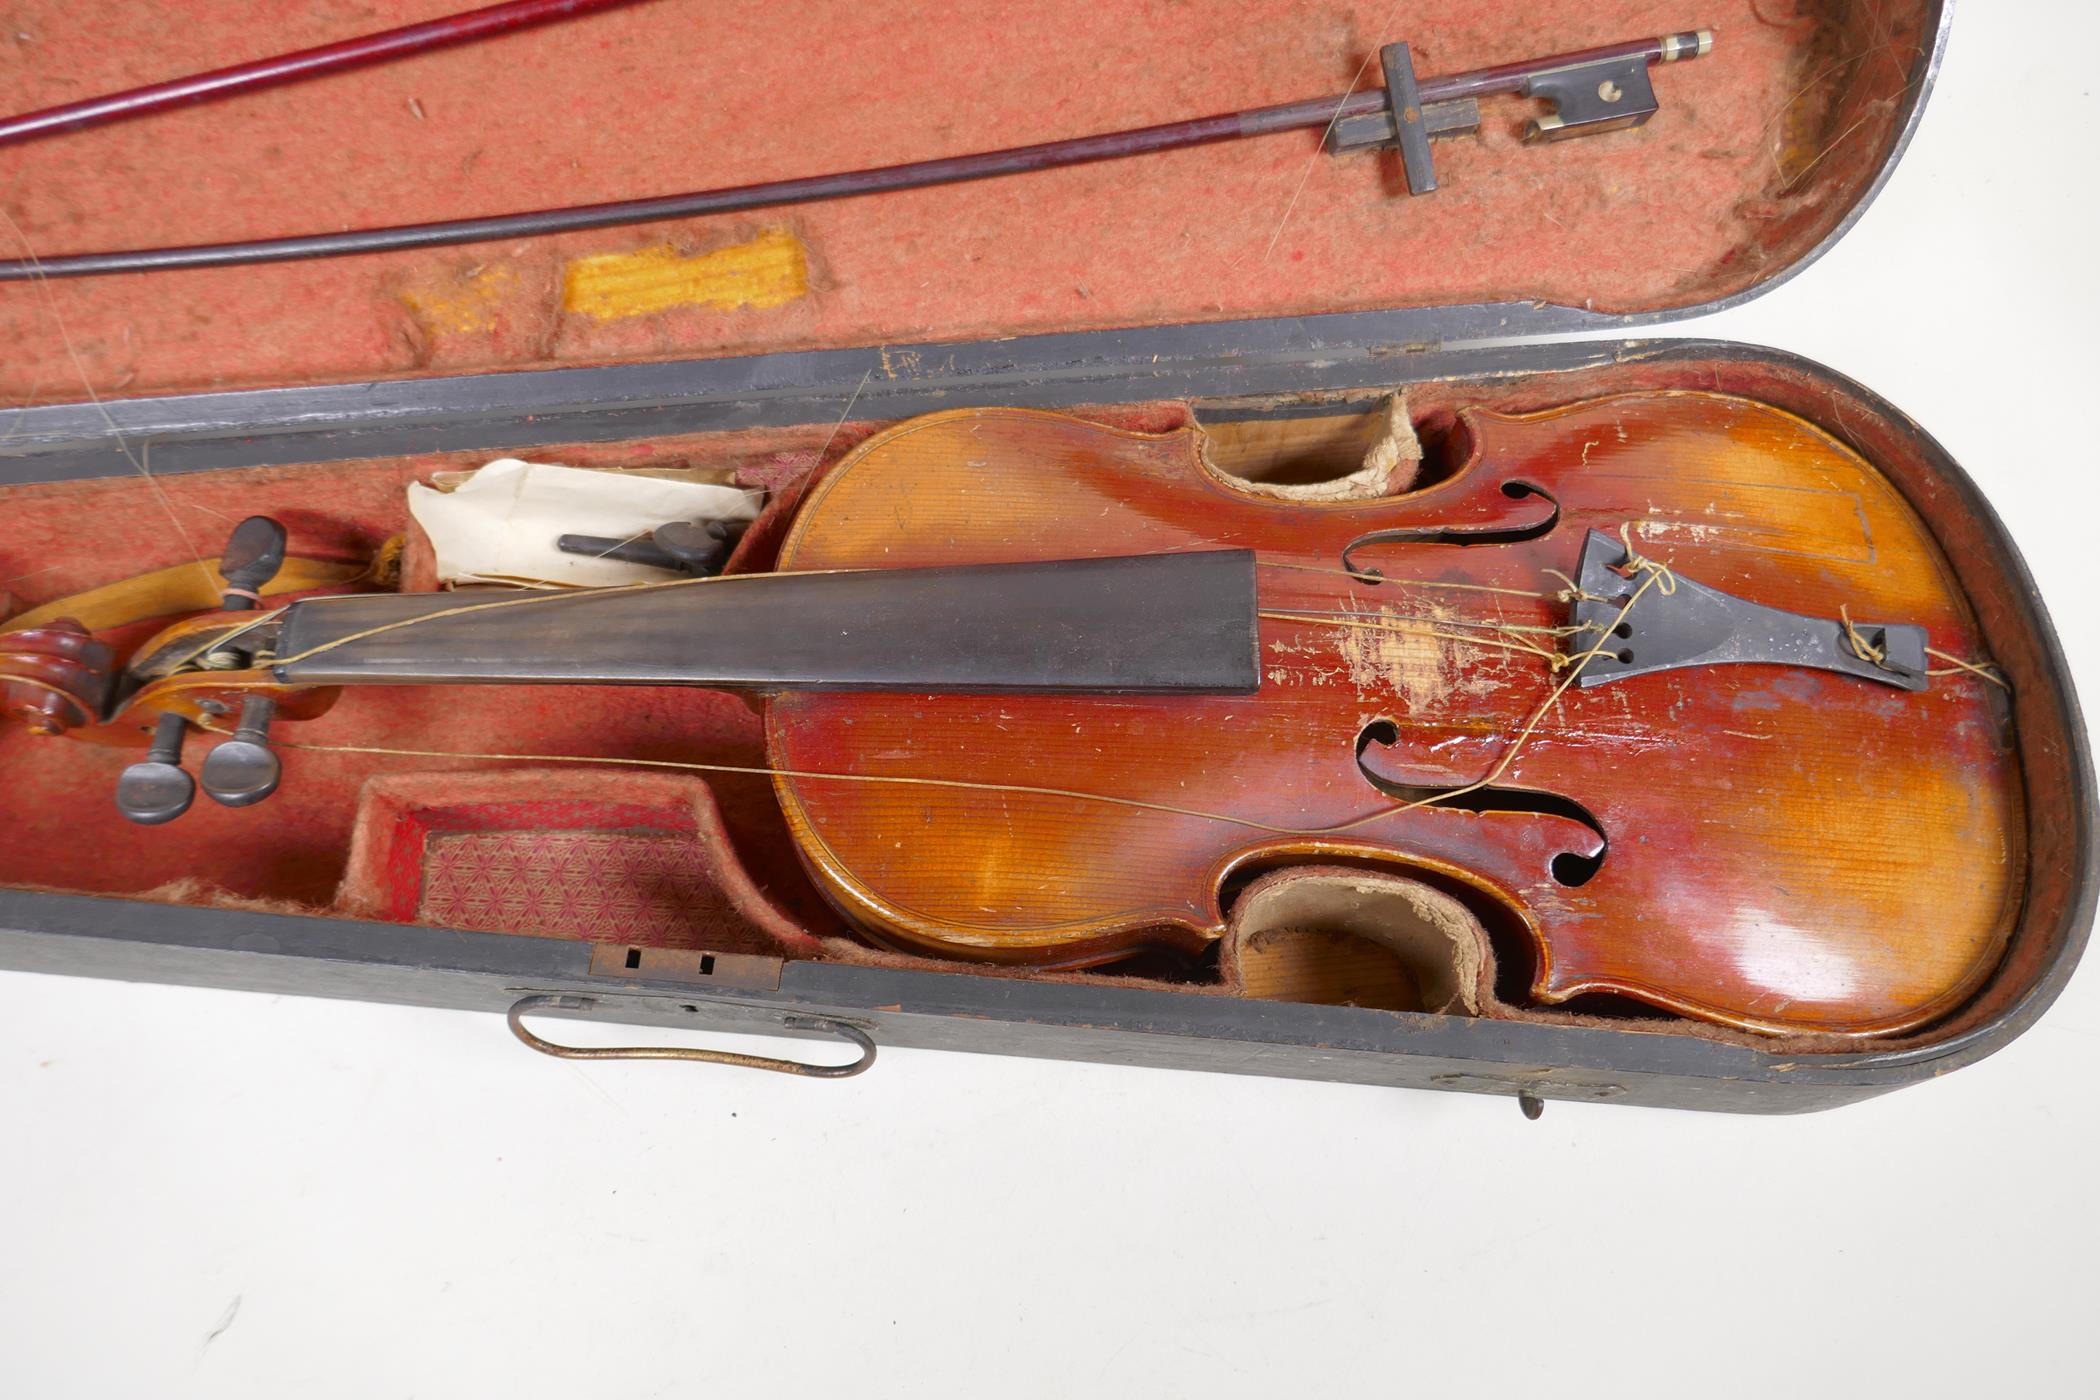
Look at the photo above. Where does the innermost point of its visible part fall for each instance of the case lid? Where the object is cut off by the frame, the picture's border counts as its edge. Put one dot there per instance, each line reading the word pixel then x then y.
pixel 1762 151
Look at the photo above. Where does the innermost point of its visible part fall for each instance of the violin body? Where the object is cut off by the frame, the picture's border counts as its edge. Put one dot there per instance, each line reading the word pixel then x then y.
pixel 1768 847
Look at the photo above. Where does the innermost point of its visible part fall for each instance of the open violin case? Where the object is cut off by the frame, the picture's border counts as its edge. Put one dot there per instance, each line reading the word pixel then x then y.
pixel 1284 302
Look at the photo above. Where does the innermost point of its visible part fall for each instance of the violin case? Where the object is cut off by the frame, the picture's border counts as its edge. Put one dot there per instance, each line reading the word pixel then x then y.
pixel 1275 295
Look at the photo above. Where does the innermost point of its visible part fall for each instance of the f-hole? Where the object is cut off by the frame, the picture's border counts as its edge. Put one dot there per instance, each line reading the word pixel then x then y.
pixel 1509 533
pixel 1570 868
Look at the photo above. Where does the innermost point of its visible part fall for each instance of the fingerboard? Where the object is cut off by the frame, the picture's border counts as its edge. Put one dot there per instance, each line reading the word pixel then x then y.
pixel 1136 624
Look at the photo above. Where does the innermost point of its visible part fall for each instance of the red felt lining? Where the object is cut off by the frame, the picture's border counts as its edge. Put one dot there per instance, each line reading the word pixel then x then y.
pixel 390 873
pixel 1759 150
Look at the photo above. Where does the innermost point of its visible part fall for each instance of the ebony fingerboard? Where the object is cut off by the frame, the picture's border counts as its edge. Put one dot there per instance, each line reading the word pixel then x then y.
pixel 1139 624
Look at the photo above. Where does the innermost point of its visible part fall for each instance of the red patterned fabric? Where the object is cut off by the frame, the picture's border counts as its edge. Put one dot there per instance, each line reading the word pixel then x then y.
pixel 608 886
pixel 619 857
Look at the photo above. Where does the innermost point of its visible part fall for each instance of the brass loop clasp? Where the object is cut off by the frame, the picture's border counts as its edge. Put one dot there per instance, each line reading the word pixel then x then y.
pixel 823 1024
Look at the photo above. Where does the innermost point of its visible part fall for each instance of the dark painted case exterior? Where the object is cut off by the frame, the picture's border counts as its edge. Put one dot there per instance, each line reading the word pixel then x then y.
pixel 1218 364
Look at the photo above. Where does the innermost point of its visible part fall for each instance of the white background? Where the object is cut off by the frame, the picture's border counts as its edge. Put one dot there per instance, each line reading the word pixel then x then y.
pixel 215 1193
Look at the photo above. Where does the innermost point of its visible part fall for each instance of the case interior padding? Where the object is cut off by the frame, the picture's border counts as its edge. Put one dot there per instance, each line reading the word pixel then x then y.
pixel 313 845
pixel 1759 151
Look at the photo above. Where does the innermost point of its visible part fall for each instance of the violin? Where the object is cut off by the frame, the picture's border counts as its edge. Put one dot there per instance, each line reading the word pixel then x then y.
pixel 1674 683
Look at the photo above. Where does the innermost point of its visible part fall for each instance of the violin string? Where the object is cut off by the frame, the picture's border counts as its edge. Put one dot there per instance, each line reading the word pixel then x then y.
pixel 1878 656
pixel 1367 577
pixel 575 595
pixel 1654 573
pixel 1406 628
pixel 808 775
pixel 215 641
pixel 1370 57
pixel 541 597
pixel 1956 665
pixel 1434 620
pixel 49 301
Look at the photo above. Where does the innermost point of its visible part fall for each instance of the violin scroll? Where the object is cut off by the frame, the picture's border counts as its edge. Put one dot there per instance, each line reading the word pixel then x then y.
pixel 55 677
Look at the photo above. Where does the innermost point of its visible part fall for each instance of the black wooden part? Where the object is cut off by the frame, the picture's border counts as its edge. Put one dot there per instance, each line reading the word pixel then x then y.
pixel 1404 102
pixel 638 551
pixel 1181 623
pixel 1376 130
pixel 1610 95
pixel 1688 624
pixel 254 554
pixel 697 548
pixel 243 770
pixel 155 790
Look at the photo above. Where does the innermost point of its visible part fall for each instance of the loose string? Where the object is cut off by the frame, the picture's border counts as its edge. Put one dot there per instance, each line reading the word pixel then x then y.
pixel 1956 665
pixel 1637 562
pixel 1878 656
pixel 1367 577
pixel 1422 628
pixel 140 463
pixel 1433 620
pixel 576 595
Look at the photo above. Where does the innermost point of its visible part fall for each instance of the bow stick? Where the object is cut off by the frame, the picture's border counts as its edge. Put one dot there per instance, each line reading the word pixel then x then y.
pixel 279 69
pixel 1590 91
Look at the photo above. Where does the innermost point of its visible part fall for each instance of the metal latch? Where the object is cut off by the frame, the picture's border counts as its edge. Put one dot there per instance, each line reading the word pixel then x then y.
pixel 580 1006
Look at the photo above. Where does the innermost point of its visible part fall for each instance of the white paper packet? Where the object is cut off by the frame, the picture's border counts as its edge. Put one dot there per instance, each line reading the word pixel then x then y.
pixel 500 525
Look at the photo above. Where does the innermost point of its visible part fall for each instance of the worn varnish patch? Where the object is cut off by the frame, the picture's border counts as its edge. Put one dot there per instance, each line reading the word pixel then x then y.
pixel 769 270
pixel 1399 652
pixel 467 304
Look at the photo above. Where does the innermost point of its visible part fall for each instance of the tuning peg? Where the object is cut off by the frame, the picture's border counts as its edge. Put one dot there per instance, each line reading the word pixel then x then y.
pixel 244 770
pixel 254 554
pixel 156 790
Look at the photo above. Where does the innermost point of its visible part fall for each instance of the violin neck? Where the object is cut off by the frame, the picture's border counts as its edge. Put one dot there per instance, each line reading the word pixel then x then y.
pixel 1157 623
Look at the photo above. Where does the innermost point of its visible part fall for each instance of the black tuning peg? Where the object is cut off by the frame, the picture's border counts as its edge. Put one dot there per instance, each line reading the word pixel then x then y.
pixel 155 789
pixel 244 770
pixel 254 554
